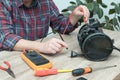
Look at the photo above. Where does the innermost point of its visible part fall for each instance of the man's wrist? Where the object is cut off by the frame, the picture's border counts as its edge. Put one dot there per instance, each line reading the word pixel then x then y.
pixel 73 19
pixel 36 45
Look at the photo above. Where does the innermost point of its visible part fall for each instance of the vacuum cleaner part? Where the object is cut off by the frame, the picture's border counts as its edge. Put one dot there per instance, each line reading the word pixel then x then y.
pixel 94 44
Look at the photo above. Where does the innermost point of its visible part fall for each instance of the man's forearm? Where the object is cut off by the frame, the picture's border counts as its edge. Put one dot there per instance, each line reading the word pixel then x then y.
pixel 25 44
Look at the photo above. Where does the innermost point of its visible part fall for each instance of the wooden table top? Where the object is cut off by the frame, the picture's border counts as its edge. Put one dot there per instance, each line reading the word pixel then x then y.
pixel 64 61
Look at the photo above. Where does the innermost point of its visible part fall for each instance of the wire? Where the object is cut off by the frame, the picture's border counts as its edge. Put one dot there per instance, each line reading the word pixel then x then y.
pixel 66 26
pixel 116 48
pixel 44 37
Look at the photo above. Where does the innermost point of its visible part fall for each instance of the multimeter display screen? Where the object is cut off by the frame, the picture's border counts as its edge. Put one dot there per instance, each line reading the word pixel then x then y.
pixel 36 59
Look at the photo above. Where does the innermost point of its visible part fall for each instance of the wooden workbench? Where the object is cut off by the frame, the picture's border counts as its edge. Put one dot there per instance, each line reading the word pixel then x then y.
pixel 63 61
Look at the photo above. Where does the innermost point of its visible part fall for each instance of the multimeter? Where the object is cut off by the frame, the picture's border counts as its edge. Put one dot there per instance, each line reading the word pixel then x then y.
pixel 36 61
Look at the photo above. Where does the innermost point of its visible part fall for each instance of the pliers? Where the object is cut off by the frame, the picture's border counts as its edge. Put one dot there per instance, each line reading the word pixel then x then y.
pixel 8 70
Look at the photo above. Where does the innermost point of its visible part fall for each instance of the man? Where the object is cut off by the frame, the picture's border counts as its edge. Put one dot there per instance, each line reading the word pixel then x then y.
pixel 23 21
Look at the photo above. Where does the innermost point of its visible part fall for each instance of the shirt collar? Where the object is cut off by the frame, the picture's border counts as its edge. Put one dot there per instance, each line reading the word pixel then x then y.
pixel 21 4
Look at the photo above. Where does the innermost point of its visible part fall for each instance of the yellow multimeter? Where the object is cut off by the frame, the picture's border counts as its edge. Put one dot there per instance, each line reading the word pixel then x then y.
pixel 36 61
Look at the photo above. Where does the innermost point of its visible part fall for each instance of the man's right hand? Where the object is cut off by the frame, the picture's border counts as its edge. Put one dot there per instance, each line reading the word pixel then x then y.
pixel 52 46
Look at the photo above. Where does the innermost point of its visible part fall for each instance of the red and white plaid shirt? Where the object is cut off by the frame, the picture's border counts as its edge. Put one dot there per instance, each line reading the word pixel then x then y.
pixel 18 21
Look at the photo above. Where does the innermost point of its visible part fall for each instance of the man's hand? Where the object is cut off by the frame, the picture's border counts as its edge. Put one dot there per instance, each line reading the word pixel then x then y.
pixel 79 11
pixel 53 46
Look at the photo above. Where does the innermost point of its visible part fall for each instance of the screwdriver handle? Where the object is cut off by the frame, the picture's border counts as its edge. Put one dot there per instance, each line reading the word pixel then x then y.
pixel 45 72
pixel 81 71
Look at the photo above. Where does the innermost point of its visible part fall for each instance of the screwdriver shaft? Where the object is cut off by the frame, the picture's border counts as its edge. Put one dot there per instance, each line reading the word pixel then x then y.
pixel 106 67
pixel 63 71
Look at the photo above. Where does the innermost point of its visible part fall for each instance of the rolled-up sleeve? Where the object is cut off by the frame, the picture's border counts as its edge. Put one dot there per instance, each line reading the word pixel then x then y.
pixel 7 37
pixel 58 21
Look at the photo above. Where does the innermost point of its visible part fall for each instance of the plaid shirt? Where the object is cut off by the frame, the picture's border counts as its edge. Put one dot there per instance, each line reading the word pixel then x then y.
pixel 18 21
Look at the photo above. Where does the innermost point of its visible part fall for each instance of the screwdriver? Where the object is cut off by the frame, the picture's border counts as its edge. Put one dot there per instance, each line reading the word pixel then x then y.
pixel 75 72
pixel 81 71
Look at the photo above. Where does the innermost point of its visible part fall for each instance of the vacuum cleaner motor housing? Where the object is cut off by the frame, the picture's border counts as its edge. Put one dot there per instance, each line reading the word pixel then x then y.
pixel 94 44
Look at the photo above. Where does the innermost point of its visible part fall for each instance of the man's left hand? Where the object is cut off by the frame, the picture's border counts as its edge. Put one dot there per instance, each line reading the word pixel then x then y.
pixel 79 11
